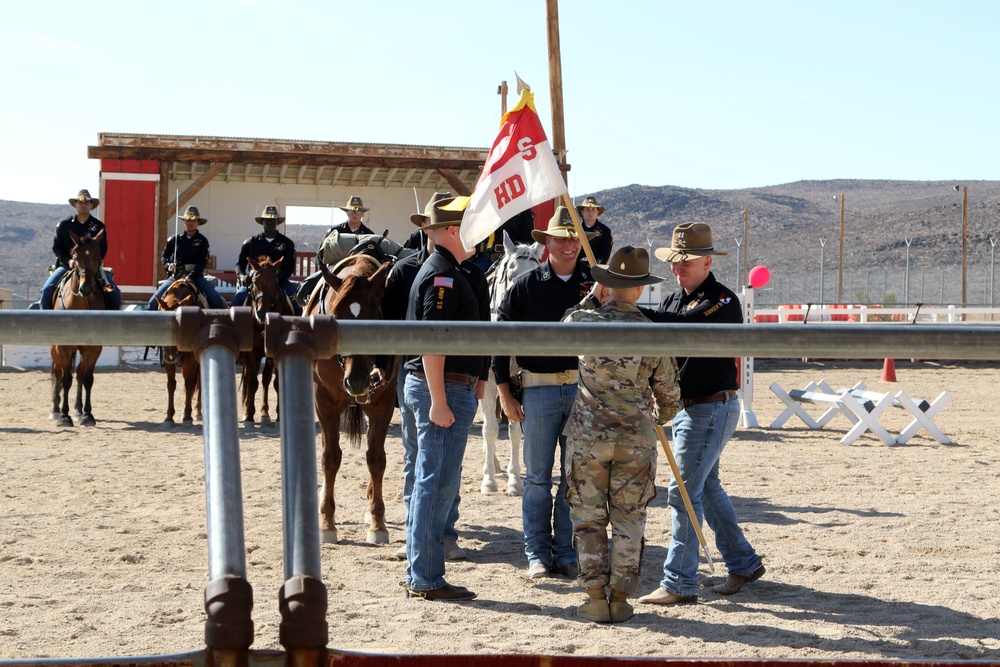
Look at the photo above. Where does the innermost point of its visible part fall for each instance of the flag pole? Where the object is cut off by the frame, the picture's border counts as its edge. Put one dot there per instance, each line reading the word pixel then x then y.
pixel 588 251
pixel 684 494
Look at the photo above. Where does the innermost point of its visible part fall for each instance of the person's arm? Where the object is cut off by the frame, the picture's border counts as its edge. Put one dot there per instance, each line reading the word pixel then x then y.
pixel 167 256
pixel 59 248
pixel 665 383
pixel 441 413
pixel 288 265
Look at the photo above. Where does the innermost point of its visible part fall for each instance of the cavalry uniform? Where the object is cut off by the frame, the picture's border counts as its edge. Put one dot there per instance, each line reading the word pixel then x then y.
pixel 186 256
pixel 276 248
pixel 612 448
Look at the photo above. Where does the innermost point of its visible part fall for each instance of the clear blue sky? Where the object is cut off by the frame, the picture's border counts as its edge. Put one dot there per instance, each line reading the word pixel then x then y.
pixel 698 94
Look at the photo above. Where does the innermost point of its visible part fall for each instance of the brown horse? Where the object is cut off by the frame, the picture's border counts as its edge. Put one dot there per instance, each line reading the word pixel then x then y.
pixel 350 386
pixel 266 296
pixel 80 290
pixel 182 292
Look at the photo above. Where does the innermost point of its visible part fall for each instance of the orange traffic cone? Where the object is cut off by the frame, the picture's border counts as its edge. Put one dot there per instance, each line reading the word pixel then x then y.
pixel 889 371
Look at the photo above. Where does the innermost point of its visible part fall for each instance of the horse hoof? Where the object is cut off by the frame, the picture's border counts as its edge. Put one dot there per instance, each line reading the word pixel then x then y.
pixel 168 421
pixel 188 423
pixel 88 420
pixel 330 537
pixel 515 488
pixel 489 485
pixel 378 537
pixel 64 420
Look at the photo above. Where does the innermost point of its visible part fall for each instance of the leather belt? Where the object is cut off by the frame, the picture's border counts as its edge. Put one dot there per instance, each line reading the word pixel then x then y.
pixel 726 395
pixel 460 378
pixel 529 379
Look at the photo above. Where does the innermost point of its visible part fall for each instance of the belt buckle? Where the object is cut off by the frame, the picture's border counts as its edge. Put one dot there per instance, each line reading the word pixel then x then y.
pixel 564 377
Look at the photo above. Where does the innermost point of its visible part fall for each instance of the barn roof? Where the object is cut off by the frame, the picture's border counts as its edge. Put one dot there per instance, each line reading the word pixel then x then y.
pixel 280 161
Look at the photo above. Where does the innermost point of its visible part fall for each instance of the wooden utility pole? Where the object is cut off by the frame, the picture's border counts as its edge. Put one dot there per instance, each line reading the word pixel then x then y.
pixel 555 81
pixel 502 92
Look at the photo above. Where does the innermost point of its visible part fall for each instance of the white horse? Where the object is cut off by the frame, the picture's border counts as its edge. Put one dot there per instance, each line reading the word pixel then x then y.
pixel 517 259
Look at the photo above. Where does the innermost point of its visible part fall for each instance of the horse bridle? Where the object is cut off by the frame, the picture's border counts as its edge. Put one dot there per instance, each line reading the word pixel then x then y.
pixel 257 297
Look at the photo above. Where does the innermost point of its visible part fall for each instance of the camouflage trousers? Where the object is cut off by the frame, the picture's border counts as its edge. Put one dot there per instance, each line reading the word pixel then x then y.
pixel 610 483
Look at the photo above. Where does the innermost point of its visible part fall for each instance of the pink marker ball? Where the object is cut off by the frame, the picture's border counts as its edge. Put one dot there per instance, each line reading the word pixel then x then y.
pixel 759 276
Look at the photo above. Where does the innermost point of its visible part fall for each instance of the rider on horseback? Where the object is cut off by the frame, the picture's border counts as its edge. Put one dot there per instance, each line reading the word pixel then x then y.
pixel 270 243
pixel 82 224
pixel 186 256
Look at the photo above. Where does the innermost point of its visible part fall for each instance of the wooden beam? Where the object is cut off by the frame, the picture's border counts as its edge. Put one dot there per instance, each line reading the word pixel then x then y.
pixel 196 187
pixel 188 155
pixel 455 182
pixel 555 78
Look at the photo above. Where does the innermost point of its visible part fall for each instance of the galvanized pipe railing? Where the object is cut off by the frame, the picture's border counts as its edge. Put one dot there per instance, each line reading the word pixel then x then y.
pixel 216 337
pixel 781 341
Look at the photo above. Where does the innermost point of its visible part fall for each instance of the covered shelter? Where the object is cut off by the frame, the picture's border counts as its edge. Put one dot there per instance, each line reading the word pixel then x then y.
pixel 146 178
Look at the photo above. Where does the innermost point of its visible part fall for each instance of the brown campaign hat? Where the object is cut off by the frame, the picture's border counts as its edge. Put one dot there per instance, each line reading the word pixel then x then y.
pixel 628 267
pixel 270 213
pixel 84 196
pixel 420 218
pixel 354 204
pixel 689 240
pixel 192 214
pixel 447 212
pixel 590 202
pixel 560 224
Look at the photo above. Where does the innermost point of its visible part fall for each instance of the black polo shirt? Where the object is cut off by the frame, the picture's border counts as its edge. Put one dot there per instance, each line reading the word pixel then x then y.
pixel 189 250
pixel 541 296
pixel 712 303
pixel 443 292
pixel 276 248
pixel 345 228
pixel 62 242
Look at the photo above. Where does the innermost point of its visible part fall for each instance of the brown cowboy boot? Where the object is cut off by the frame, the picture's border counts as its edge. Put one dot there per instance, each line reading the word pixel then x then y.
pixel 596 607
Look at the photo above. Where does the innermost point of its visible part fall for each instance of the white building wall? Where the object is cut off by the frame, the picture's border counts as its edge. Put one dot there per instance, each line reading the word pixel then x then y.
pixel 231 208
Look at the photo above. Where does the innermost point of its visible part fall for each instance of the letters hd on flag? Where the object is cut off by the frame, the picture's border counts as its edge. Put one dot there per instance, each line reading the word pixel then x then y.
pixel 520 172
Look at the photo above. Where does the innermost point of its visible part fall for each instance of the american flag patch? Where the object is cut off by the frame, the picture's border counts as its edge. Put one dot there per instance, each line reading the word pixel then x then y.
pixel 444 281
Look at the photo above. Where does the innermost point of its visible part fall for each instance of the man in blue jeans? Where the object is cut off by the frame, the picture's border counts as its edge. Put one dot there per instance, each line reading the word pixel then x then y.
pixel 443 394
pixel 543 295
pixel 702 428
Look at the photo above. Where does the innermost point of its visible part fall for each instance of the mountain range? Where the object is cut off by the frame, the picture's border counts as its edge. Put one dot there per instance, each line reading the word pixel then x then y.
pixel 785 223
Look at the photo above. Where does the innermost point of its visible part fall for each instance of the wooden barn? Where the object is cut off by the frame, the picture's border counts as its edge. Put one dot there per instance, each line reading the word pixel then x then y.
pixel 145 178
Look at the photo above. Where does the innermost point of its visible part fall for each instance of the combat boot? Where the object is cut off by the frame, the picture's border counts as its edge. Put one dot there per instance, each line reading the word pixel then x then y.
pixel 596 607
pixel 620 609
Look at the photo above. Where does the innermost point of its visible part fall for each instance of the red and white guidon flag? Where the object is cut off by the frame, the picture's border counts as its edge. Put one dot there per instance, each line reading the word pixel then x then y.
pixel 520 172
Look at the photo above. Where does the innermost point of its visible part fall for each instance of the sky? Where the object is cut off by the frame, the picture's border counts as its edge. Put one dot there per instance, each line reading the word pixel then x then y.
pixel 713 95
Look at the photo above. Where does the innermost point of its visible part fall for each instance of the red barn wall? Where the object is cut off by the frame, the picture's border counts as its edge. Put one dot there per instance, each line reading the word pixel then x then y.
pixel 128 209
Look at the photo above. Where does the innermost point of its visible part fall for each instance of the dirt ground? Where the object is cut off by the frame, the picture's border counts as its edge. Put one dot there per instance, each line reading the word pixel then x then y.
pixel 871 551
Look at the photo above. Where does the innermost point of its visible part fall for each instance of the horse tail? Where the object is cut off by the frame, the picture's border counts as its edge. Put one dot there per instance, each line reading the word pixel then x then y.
pixel 355 418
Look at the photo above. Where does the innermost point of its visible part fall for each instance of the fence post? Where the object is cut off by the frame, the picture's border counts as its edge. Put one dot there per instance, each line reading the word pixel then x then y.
pixel 216 337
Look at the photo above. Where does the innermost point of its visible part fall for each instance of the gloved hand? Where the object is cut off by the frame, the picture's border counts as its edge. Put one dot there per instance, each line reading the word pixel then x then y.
pixel 243 280
pixel 171 268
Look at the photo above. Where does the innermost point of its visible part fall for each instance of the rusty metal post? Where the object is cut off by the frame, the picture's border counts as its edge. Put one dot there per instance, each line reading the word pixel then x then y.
pixel 216 337
pixel 302 600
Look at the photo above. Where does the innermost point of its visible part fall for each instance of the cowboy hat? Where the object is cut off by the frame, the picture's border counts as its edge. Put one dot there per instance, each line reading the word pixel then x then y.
pixel 84 196
pixel 354 204
pixel 590 202
pixel 192 214
pixel 560 224
pixel 629 267
pixel 420 218
pixel 270 213
pixel 447 212
pixel 690 240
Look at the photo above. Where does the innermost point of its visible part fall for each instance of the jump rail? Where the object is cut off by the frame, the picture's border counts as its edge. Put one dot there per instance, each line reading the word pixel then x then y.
pixel 295 342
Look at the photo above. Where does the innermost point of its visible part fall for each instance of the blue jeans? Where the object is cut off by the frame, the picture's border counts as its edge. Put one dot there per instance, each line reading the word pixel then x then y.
pixel 548 530
pixel 205 287
pixel 112 299
pixel 408 425
pixel 437 475
pixel 700 433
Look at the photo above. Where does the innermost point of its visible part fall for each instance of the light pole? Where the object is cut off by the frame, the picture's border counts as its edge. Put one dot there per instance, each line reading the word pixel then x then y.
pixel 965 243
pixel 906 276
pixel 822 265
pixel 840 268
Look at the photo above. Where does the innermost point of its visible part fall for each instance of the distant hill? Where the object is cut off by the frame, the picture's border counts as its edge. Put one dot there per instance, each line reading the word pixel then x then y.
pixel 786 224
